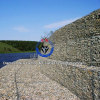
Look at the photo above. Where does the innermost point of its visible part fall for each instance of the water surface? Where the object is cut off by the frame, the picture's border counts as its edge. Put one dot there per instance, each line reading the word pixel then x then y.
pixel 10 57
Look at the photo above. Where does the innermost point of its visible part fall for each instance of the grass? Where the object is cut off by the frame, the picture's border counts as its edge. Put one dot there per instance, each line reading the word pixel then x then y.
pixel 16 46
pixel 21 45
pixel 5 48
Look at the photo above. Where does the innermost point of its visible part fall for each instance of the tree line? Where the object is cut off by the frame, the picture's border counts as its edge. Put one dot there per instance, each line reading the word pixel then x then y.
pixel 22 45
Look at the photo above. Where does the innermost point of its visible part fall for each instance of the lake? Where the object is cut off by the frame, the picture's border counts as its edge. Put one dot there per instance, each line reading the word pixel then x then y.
pixel 10 57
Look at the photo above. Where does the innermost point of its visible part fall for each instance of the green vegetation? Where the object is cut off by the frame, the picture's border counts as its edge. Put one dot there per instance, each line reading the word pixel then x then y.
pixel 7 46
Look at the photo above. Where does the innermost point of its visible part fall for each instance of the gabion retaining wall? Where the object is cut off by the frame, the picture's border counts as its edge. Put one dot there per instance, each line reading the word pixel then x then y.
pixel 79 41
pixel 81 80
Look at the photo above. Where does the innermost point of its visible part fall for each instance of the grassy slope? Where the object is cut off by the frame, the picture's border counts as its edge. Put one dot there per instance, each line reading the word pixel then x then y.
pixel 5 48
pixel 21 45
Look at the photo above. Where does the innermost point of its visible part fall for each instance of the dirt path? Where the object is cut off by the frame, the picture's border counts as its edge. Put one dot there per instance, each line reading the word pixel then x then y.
pixel 25 82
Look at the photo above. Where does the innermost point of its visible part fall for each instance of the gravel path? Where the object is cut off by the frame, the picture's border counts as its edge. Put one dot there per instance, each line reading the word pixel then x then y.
pixel 26 82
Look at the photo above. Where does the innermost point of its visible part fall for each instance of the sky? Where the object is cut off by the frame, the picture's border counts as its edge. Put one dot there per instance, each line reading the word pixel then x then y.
pixel 32 19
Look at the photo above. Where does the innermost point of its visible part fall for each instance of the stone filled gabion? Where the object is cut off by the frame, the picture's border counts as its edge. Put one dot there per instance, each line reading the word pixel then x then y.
pixel 79 41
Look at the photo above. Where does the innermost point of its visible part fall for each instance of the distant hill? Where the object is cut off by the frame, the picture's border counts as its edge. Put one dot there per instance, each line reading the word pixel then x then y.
pixel 10 46
pixel 5 48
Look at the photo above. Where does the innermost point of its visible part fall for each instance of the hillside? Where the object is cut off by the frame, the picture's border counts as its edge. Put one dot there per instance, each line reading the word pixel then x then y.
pixel 10 46
pixel 5 48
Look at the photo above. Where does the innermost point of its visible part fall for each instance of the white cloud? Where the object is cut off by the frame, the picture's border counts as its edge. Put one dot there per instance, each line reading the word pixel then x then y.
pixel 21 29
pixel 59 24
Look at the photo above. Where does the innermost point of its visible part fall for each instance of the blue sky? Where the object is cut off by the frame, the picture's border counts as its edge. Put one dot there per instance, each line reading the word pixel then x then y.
pixel 31 19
